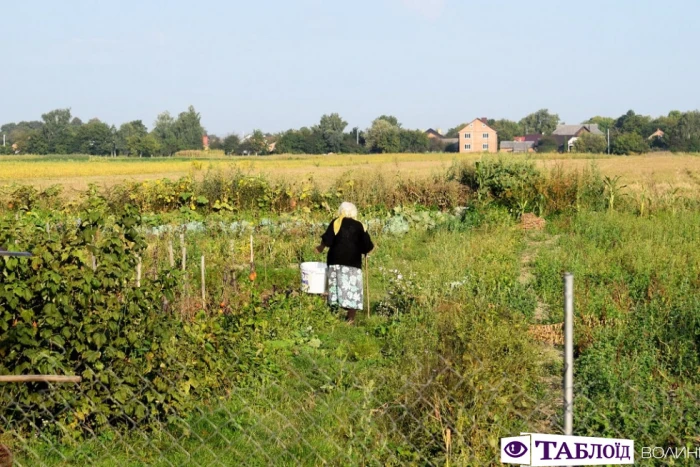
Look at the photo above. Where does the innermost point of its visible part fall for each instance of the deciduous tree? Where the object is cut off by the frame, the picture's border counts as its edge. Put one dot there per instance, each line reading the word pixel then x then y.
pixel 634 123
pixel 604 123
pixel 95 138
pixel 685 135
pixel 507 129
pixel 391 119
pixel 413 141
pixel 255 144
pixel 230 144
pixel 383 137
pixel 629 143
pixel 188 129
pixel 541 122
pixel 57 132
pixel 164 132
pixel 143 145
pixel 132 129
pixel 331 128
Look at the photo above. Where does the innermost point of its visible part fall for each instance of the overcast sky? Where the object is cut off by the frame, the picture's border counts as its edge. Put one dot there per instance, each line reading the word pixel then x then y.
pixel 280 64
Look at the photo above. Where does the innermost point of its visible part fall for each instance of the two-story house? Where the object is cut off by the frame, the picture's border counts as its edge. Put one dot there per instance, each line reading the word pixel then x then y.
pixel 478 136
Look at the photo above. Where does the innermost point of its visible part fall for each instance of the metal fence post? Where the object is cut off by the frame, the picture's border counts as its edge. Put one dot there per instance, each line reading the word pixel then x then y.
pixel 568 354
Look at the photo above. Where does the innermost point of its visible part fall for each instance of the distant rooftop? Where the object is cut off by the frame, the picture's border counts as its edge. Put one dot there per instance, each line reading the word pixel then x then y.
pixel 571 130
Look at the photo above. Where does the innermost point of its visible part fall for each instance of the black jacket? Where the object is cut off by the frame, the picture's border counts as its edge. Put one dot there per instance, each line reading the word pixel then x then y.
pixel 347 248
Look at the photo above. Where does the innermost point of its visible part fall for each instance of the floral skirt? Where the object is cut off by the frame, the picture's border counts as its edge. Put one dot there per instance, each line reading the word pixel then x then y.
pixel 345 287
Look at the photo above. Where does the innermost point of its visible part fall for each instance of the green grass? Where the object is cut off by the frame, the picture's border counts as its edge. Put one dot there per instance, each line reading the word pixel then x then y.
pixel 457 355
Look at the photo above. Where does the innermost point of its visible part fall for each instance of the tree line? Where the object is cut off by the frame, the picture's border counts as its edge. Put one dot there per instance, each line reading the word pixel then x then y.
pixel 58 132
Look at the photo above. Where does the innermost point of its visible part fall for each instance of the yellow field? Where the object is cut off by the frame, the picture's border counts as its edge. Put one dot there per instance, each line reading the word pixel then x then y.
pixel 75 173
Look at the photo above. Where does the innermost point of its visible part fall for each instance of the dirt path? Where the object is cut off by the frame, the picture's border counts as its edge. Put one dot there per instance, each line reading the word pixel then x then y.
pixel 534 242
pixel 549 336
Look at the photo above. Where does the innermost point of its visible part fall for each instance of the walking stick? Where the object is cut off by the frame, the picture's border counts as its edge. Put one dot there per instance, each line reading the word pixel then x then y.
pixel 367 281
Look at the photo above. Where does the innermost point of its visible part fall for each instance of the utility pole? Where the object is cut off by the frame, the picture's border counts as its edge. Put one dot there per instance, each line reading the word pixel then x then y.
pixel 3 140
pixel 608 141
pixel 568 354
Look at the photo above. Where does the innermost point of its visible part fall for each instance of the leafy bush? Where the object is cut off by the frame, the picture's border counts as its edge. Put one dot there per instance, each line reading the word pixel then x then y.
pixel 548 144
pixel 591 143
pixel 629 143
pixel 512 184
pixel 59 315
pixel 403 293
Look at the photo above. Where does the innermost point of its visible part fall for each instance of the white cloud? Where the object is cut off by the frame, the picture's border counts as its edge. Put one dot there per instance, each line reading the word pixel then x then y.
pixel 430 9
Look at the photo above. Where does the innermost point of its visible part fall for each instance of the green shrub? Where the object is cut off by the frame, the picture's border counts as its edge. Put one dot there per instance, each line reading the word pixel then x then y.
pixel 139 365
pixel 591 143
pixel 629 143
pixel 511 184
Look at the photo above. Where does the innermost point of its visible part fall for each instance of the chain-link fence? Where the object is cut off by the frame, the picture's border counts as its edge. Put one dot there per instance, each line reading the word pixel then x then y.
pixel 329 399
pixel 227 362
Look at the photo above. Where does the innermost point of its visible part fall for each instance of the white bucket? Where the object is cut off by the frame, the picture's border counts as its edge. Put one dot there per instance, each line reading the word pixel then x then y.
pixel 313 277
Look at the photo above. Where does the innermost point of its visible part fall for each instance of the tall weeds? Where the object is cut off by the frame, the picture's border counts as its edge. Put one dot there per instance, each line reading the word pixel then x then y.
pixel 518 186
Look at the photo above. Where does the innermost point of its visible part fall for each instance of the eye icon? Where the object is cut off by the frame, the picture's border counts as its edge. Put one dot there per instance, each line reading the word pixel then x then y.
pixel 515 449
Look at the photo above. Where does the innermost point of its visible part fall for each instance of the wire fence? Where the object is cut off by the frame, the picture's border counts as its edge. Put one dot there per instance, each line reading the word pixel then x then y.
pixel 179 365
pixel 310 412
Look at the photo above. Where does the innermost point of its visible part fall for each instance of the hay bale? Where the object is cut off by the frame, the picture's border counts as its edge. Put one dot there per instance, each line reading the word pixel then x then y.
pixel 548 333
pixel 529 221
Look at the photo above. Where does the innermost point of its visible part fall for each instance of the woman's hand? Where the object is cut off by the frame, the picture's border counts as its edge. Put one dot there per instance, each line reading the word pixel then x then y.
pixel 320 248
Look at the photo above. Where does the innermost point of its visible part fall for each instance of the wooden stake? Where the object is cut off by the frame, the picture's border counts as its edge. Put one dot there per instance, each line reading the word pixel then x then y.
pixel 251 248
pixel 171 254
pixel 154 267
pixel 184 250
pixel 138 273
pixel 93 260
pixel 39 379
pixel 367 281
pixel 204 300
pixel 233 264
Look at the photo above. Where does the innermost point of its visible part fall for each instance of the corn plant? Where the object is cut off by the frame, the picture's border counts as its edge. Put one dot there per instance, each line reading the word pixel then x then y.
pixel 613 190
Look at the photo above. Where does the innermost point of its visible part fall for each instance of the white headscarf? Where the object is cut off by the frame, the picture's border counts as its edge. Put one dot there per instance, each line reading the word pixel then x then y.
pixel 346 209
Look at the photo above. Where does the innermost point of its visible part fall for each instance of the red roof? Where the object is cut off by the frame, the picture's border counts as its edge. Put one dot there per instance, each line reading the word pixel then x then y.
pixel 532 137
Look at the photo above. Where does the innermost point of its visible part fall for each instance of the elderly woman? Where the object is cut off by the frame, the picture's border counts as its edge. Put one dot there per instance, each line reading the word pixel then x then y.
pixel 347 240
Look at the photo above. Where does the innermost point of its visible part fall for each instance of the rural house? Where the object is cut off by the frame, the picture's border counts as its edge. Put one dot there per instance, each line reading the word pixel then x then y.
pixel 478 136
pixel 517 146
pixel 566 135
pixel 535 138
pixel 526 143
pixel 657 134
pixel 433 134
pixel 438 138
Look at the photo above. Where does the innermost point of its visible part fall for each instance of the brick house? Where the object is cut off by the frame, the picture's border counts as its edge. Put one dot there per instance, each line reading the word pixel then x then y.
pixel 478 136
